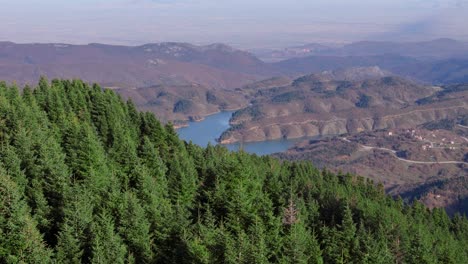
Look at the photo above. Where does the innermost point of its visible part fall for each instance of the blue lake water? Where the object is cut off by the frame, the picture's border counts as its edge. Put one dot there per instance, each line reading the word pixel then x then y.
pixel 208 130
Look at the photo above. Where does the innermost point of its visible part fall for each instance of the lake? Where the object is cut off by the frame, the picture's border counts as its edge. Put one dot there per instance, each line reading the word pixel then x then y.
pixel 208 130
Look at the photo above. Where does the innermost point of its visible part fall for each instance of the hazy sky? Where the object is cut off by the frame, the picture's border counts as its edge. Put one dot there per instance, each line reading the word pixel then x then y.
pixel 242 23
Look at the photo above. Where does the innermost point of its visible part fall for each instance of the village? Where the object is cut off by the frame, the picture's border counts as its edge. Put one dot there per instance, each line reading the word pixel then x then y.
pixel 417 145
pixel 437 139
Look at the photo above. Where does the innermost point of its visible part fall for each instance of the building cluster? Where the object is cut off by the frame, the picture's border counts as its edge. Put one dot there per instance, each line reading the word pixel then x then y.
pixel 430 140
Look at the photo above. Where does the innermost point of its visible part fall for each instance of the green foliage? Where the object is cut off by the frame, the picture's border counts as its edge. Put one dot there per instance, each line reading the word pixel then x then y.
pixel 107 245
pixel 86 178
pixel 253 112
pixel 447 124
pixel 20 240
pixel 211 98
pixel 363 101
pixel 288 97
pixel 446 90
pixel 182 106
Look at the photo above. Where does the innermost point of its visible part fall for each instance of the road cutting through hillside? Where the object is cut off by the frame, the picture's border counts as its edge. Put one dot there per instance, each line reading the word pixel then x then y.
pixel 406 160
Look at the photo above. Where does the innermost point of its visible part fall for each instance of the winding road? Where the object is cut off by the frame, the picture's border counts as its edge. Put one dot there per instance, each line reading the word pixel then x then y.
pixel 406 160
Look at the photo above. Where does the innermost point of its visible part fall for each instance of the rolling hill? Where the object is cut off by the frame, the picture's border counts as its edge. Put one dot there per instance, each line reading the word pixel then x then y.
pixel 429 71
pixel 215 66
pixel 434 49
pixel 425 163
pixel 145 72
pixel 320 104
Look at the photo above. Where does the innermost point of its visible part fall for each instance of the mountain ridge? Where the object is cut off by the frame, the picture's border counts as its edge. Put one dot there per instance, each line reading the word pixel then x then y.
pixel 215 68
pixel 214 65
pixel 317 105
pixel 437 48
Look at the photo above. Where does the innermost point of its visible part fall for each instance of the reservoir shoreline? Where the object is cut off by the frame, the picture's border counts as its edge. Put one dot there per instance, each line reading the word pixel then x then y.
pixel 211 127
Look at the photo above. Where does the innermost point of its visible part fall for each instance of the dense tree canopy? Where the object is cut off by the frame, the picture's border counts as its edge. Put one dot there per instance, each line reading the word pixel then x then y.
pixel 86 178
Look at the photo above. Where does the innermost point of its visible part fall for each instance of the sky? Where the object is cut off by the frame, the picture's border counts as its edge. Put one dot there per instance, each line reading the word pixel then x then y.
pixel 241 23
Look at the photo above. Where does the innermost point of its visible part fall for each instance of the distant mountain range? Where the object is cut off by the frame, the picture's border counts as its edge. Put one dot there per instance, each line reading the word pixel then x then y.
pixel 435 49
pixel 220 66
pixel 217 65
pixel 443 71
pixel 159 76
pixel 441 61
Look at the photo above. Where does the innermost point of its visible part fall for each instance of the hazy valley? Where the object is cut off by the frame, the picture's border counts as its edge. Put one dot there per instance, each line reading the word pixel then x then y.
pixel 237 132
pixel 306 91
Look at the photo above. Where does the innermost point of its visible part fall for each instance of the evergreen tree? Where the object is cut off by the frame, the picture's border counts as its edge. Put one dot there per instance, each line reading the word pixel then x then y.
pixel 20 241
pixel 107 246
pixel 86 178
pixel 135 229
pixel 73 245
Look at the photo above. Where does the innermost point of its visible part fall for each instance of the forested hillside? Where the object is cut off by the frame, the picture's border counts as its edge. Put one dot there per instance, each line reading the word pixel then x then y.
pixel 86 178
